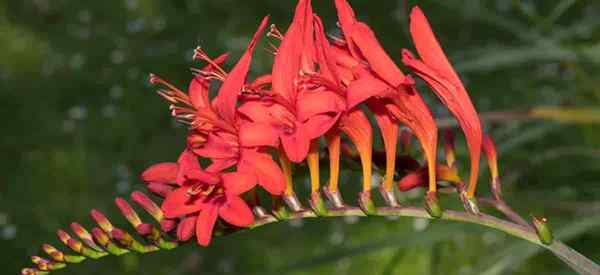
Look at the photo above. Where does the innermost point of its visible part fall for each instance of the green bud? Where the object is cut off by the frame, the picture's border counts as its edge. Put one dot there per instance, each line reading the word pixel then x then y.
pixel 543 230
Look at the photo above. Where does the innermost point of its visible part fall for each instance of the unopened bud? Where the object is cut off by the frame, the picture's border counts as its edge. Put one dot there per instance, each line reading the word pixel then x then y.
pixel 449 148
pixel 148 205
pixel 432 205
pixel 128 212
pixel 101 220
pixel 53 253
pixel 84 235
pixel 543 230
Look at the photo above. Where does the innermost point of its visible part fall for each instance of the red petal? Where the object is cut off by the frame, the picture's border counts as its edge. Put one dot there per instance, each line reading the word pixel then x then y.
pixel 262 112
pixel 219 145
pixel 189 169
pixel 160 189
pixel 413 180
pixel 205 224
pixel 269 174
pixel 364 88
pixel 238 182
pixel 311 103
pixel 287 63
pixel 429 48
pixel 318 125
pixel 219 165
pixel 185 228
pixel 376 56
pixel 198 88
pixel 296 145
pixel 236 212
pixel 233 84
pixel 258 134
pixel 165 172
pixel 458 102
pixel 325 58
pixel 347 19
pixel 178 204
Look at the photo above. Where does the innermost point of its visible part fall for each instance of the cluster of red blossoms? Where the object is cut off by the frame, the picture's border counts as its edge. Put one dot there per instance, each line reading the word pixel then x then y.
pixel 316 88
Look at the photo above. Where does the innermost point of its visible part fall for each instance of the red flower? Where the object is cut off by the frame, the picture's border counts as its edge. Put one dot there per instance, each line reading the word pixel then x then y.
pixel 371 75
pixel 218 132
pixel 297 111
pixel 437 71
pixel 200 197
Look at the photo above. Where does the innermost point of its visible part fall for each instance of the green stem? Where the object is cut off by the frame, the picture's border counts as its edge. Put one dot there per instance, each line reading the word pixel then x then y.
pixel 574 259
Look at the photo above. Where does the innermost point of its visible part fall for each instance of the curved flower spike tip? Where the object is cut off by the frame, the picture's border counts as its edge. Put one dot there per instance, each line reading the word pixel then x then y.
pixel 437 71
pixel 392 96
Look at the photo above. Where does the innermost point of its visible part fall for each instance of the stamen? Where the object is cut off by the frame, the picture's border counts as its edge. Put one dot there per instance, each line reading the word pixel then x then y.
pixel 274 32
pixel 154 79
pixel 199 53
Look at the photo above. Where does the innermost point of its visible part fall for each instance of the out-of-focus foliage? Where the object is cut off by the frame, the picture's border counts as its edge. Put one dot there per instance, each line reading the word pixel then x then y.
pixel 80 122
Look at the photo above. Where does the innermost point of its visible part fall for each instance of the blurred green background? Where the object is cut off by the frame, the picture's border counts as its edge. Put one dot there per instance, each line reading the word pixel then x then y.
pixel 81 122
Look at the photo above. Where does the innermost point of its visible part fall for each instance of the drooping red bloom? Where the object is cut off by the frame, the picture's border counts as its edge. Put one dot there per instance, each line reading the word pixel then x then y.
pixel 437 71
pixel 200 197
pixel 217 131
pixel 297 111
pixel 371 75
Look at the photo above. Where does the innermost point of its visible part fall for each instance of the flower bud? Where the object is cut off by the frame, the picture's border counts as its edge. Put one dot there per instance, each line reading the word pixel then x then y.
pixel 543 230
pixel 128 212
pixel 101 220
pixel 148 205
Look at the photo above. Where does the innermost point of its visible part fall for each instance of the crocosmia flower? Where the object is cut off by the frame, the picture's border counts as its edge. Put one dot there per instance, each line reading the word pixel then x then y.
pixel 436 70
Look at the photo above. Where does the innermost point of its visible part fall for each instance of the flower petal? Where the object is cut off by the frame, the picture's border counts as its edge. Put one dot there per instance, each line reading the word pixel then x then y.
pixel 347 19
pixel 295 145
pixel 205 224
pixel 185 228
pixel 219 165
pixel 189 169
pixel 233 84
pixel 218 145
pixel 363 88
pixel 165 172
pixel 238 182
pixel 318 125
pixel 429 48
pixel 356 125
pixel 236 212
pixel 376 56
pixel 268 173
pixel 178 204
pixel 311 103
pixel 258 134
pixel 437 71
